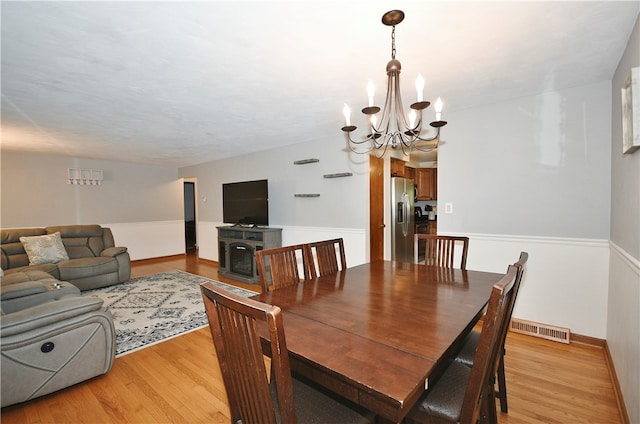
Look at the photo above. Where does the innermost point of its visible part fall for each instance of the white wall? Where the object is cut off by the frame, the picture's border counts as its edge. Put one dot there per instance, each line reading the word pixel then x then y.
pixel 623 319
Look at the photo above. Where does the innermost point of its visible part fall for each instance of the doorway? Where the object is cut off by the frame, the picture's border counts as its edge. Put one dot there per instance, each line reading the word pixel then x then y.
pixel 190 216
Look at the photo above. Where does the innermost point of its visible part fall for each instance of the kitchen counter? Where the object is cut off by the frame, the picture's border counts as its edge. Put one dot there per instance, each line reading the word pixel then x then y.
pixel 424 220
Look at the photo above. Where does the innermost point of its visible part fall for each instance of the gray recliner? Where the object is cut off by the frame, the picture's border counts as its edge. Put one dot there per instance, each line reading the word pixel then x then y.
pixel 51 338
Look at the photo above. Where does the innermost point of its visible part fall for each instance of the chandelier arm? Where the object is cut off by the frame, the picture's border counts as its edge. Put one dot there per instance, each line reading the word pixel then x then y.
pixel 352 142
pixel 385 118
pixel 436 137
pixel 401 119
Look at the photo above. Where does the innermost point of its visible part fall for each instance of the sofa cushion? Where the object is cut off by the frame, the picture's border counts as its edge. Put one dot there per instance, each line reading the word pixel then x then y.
pixel 80 241
pixel 74 269
pixel 13 254
pixel 51 269
pixel 29 274
pixel 45 249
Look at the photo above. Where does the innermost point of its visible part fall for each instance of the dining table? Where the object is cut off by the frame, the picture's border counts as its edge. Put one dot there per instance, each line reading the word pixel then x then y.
pixel 379 333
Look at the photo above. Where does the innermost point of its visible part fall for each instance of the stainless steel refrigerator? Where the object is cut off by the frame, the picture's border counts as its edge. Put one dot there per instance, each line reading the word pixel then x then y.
pixel 402 219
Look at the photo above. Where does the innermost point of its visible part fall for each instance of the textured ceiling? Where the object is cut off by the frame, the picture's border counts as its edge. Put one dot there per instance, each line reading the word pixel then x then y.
pixel 181 83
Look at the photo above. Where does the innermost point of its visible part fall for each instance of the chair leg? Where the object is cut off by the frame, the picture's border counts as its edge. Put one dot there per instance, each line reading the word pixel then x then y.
pixel 488 412
pixel 501 393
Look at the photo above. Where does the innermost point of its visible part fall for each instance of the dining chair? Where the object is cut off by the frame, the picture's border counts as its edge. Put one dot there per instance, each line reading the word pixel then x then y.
pixel 234 322
pixel 467 395
pixel 470 344
pixel 278 267
pixel 329 256
pixel 440 250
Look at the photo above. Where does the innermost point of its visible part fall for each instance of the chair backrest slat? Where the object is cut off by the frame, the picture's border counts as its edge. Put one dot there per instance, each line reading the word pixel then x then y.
pixel 486 358
pixel 233 324
pixel 440 250
pixel 329 255
pixel 278 267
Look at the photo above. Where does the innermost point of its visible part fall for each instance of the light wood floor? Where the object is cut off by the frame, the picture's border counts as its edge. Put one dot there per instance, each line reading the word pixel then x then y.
pixel 178 381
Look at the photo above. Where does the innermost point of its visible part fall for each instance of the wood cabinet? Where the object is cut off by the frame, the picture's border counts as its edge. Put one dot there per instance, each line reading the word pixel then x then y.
pixel 398 168
pixel 237 247
pixel 427 181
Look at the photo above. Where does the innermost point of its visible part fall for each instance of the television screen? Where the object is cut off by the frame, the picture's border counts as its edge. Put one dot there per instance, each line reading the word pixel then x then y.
pixel 246 203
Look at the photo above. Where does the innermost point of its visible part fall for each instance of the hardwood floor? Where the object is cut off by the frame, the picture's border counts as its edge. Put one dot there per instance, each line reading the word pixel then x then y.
pixel 178 381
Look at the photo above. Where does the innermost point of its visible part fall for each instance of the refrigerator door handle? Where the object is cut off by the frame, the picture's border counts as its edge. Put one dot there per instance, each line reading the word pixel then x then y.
pixel 405 205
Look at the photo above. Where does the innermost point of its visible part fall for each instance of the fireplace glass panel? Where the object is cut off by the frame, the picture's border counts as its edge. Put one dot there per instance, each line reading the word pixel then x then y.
pixel 241 259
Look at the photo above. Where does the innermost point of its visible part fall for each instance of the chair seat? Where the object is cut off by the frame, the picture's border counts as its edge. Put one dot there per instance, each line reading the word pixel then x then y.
pixel 443 401
pixel 468 350
pixel 314 405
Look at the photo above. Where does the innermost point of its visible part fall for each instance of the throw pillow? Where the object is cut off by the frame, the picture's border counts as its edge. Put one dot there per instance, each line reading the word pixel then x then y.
pixel 47 249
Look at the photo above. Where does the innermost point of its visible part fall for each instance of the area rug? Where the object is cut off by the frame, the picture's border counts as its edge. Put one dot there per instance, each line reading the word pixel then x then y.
pixel 151 309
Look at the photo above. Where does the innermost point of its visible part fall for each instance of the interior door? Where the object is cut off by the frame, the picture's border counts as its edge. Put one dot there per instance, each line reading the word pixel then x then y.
pixel 190 216
pixel 376 211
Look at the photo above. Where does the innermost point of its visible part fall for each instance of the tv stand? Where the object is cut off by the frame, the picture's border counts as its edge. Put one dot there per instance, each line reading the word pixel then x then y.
pixel 237 247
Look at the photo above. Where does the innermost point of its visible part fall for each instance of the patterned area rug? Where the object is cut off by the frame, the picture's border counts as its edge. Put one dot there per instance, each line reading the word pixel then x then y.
pixel 150 309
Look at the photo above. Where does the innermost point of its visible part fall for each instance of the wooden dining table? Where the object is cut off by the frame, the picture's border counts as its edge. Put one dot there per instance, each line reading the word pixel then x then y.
pixel 379 333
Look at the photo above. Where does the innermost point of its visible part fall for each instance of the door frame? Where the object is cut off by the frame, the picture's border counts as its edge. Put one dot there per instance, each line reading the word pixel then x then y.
pixel 376 208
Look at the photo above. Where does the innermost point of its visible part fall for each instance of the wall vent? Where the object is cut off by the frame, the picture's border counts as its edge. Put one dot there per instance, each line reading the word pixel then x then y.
pixel 549 332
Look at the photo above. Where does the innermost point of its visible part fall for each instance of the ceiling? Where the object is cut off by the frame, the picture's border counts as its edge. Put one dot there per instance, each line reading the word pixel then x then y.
pixel 182 83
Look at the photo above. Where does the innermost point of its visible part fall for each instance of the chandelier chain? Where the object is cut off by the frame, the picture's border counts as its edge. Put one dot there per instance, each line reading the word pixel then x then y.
pixel 393 42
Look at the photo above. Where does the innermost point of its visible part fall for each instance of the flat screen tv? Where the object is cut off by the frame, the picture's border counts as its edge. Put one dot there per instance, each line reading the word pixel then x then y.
pixel 246 203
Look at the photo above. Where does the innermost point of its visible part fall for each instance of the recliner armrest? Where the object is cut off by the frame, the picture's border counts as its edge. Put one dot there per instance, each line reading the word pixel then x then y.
pixel 47 313
pixel 26 288
pixel 113 251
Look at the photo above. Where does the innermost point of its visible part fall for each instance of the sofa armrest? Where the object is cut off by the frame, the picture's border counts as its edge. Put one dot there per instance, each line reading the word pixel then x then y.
pixel 113 251
pixel 26 288
pixel 47 313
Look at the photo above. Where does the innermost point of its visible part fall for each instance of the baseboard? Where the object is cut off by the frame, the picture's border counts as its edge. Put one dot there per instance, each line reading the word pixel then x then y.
pixel 158 258
pixel 211 261
pixel 617 390
pixel 587 340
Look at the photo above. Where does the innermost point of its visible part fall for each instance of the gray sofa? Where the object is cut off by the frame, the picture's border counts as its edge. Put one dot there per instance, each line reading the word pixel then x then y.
pixel 94 259
pixel 51 337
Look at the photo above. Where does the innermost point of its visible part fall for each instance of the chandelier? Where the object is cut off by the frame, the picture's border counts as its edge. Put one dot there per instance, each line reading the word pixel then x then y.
pixel 393 128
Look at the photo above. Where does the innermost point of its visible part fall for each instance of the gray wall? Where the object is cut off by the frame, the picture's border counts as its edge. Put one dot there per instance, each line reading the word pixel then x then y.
pixel 625 169
pixel 534 166
pixel 623 320
pixel 35 192
pixel 342 202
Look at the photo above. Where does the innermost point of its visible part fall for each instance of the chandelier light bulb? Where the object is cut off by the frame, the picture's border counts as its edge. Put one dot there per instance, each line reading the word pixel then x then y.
pixel 419 87
pixel 371 90
pixel 412 119
pixel 438 107
pixel 347 114
pixel 374 121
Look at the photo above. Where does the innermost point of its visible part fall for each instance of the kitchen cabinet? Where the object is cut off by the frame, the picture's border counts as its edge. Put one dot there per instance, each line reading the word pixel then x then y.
pixel 427 182
pixel 398 168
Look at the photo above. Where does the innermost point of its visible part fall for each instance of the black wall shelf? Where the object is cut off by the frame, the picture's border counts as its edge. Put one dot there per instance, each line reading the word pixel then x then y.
pixel 307 195
pixel 305 161
pixel 338 175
